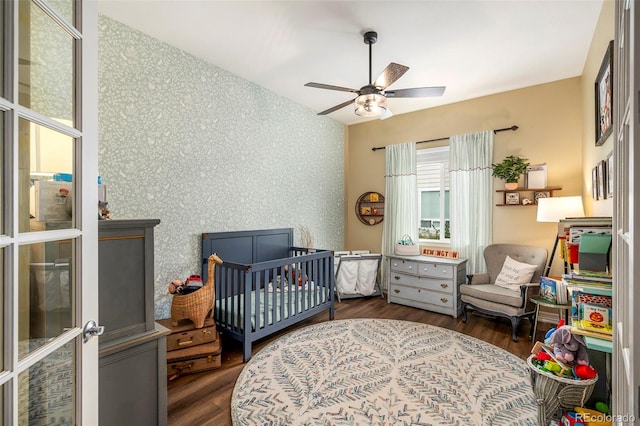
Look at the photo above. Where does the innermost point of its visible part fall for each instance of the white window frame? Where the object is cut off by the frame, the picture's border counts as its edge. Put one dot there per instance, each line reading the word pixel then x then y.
pixel 439 152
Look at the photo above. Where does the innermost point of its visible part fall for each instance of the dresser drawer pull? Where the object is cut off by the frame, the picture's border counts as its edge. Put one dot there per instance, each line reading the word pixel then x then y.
pixel 444 299
pixel 185 342
pixel 397 277
pixel 396 291
pixel 444 285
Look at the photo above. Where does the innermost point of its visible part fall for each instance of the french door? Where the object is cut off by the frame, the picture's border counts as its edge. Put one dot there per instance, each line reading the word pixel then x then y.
pixel 48 230
pixel 626 155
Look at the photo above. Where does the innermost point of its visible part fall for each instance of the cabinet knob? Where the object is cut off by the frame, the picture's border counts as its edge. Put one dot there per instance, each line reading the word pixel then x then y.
pixel 444 299
pixel 396 277
pixel 396 291
pixel 444 285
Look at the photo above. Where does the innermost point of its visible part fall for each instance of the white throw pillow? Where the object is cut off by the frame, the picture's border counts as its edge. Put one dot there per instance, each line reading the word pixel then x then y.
pixel 515 273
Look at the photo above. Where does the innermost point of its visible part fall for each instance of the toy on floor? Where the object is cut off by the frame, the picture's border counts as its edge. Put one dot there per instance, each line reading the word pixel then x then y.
pixel 563 354
pixel 571 418
pixel 568 347
pixel 593 417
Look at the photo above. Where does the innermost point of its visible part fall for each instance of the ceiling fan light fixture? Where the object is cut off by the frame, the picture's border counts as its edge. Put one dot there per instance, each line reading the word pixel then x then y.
pixel 370 105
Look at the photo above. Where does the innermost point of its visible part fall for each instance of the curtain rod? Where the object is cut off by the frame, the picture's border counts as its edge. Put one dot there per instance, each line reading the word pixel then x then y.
pixel 514 128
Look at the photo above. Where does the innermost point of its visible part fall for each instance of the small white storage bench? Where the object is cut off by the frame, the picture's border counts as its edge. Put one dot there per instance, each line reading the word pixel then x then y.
pixel 425 282
pixel 357 273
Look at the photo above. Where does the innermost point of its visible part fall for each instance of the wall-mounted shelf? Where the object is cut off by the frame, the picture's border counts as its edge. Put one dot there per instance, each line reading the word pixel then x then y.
pixel 533 194
pixel 370 208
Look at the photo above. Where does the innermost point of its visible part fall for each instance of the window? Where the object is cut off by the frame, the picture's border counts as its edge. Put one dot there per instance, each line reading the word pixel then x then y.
pixel 433 193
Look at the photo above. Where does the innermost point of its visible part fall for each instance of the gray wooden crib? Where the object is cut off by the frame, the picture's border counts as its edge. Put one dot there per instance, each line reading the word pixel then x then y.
pixel 265 284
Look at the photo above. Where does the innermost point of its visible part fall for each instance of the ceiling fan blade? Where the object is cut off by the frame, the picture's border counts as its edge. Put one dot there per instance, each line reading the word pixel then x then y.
pixel 330 87
pixel 335 108
pixel 416 92
pixel 390 74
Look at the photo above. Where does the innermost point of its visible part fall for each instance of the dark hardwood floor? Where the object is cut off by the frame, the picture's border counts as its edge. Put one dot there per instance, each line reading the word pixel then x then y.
pixel 205 398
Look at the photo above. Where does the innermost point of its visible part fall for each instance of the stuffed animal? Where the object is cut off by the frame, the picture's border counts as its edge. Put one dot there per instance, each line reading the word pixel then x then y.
pixel 567 347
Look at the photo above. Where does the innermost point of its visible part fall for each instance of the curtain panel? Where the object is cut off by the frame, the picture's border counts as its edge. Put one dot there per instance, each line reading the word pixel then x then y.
pixel 471 189
pixel 401 199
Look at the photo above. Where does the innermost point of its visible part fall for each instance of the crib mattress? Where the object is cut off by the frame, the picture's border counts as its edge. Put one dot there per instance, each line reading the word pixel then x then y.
pixel 231 309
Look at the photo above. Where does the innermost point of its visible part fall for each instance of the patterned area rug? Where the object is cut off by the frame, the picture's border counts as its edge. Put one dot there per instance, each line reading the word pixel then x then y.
pixel 382 372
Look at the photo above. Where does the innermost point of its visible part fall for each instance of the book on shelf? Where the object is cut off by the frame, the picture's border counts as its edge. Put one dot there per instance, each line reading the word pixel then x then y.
pixel 587 275
pixel 576 329
pixel 575 280
pixel 595 317
pixel 590 292
pixel 553 290
pixel 548 289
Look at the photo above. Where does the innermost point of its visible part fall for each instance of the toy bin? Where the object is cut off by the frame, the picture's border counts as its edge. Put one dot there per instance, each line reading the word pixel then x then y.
pixel 554 392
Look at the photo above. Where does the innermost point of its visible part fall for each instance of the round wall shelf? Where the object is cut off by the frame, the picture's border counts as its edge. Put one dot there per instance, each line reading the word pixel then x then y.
pixel 370 208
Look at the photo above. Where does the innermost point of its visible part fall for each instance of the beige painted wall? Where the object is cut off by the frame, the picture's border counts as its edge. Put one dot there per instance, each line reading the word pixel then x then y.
pixel 557 127
pixel 591 153
pixel 549 117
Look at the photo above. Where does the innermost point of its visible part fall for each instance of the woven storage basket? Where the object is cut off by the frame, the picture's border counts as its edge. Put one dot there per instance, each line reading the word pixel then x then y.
pixel 553 392
pixel 197 305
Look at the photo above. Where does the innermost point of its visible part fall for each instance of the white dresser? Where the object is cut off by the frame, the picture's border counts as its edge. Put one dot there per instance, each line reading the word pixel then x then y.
pixel 424 282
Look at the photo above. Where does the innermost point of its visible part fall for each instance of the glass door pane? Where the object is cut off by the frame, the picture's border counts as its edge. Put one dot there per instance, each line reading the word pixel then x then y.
pixel 45 188
pixel 46 76
pixel 63 8
pixel 2 61
pixel 45 293
pixel 2 343
pixel 2 165
pixel 46 390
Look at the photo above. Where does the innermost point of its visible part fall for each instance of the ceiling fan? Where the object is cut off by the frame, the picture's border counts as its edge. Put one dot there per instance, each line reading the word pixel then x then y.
pixel 371 99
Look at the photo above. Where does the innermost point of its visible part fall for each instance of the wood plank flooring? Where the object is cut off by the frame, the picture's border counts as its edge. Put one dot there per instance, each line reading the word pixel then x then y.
pixel 205 398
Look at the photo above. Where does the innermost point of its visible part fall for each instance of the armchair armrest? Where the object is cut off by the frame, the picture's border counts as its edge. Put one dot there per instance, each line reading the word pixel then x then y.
pixel 527 291
pixel 478 278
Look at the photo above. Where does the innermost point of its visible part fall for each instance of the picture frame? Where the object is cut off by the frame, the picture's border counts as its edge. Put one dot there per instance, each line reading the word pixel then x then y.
pixel 540 194
pixel 609 172
pixel 365 210
pixel 604 97
pixel 594 183
pixel 602 177
pixel 512 198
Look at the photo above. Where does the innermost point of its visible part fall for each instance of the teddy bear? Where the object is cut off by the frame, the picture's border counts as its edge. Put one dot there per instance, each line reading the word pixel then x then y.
pixel 567 347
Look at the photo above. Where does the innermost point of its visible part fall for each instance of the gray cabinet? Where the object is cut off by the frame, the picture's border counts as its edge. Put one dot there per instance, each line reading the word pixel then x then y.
pixel 132 350
pixel 429 283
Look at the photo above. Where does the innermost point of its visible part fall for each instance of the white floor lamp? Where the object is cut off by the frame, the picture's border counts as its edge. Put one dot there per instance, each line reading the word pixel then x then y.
pixel 553 210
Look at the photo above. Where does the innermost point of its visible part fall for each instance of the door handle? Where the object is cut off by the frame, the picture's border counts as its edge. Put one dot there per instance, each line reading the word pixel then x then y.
pixel 91 329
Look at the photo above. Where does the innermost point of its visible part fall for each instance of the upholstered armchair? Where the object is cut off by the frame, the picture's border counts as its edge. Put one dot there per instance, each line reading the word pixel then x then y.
pixel 513 276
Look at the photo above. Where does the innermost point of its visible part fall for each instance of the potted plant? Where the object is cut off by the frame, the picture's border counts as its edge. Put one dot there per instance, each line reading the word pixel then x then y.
pixel 510 170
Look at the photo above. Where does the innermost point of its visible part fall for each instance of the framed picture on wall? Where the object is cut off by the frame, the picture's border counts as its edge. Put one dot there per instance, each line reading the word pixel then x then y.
pixel 609 172
pixel 604 97
pixel 602 177
pixel 594 183
pixel 512 198
pixel 540 194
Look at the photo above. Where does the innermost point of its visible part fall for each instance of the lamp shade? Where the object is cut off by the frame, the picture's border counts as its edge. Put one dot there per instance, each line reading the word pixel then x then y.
pixel 554 209
pixel 370 105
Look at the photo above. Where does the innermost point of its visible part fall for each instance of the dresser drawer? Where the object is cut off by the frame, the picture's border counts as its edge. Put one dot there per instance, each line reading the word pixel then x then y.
pixel 431 269
pixel 430 284
pixel 400 265
pixel 420 295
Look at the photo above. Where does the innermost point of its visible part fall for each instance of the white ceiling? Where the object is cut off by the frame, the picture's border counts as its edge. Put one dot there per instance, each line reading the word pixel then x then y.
pixel 473 47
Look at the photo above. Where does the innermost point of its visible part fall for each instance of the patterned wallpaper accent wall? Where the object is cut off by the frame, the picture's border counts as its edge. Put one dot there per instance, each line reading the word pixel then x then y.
pixel 204 150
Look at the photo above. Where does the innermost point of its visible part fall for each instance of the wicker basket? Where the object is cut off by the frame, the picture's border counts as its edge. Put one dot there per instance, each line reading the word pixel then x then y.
pixel 198 305
pixel 553 392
